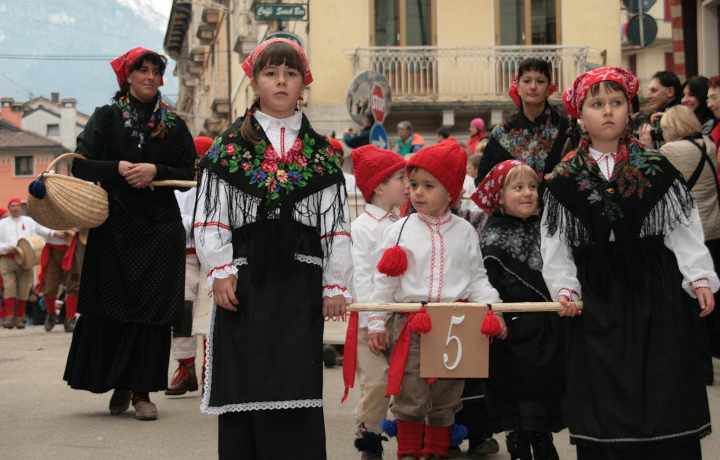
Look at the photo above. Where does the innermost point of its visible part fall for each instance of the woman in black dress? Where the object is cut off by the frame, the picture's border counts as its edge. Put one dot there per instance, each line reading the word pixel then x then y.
pixel 133 273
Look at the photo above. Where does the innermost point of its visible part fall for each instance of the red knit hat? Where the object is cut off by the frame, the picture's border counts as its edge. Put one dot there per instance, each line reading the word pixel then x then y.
pixel 202 145
pixel 373 165
pixel 447 162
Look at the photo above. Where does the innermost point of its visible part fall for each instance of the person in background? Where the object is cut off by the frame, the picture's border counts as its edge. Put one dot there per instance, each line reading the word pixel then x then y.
pixel 355 140
pixel 469 184
pixel 695 92
pixel 443 134
pixel 536 133
pixel 693 155
pixel 409 142
pixel 478 133
pixel 663 92
pixel 713 103
pixel 18 281
pixel 185 335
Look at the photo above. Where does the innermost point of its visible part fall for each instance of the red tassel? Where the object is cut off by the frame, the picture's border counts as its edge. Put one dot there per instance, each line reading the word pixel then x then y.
pixel 491 326
pixel 393 261
pixel 421 322
pixel 350 357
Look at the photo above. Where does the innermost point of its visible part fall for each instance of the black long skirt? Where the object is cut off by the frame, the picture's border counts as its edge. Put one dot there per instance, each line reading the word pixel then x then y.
pixel 272 435
pixel 525 389
pixel 107 354
pixel 683 450
pixel 634 370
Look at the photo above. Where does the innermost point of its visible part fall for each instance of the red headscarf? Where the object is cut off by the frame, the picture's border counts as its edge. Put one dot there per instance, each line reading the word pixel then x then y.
pixel 574 97
pixel 121 65
pixel 202 145
pixel 248 64
pixel 487 195
pixel 515 96
pixel 14 200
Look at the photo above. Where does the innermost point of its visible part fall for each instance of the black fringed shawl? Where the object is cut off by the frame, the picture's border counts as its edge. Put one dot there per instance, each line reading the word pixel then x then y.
pixel 645 197
pixel 271 199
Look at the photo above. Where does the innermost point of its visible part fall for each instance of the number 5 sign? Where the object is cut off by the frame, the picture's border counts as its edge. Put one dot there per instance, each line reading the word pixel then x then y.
pixel 455 348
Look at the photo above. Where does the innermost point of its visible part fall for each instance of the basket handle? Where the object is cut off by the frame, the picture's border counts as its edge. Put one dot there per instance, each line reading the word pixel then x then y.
pixel 64 156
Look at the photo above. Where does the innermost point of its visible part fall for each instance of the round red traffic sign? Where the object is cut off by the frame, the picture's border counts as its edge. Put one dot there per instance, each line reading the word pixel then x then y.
pixel 377 103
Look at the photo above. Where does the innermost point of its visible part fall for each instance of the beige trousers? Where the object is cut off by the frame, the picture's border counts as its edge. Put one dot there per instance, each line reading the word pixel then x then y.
pixel 435 404
pixel 372 374
pixel 17 282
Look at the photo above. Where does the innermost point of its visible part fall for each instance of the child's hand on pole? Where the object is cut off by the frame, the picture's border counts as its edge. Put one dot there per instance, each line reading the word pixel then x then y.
pixel 224 292
pixel 334 307
pixel 706 299
pixel 570 308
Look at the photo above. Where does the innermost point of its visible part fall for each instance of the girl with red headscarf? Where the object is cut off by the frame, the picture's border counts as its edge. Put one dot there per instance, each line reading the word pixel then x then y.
pixel 536 134
pixel 271 225
pixel 134 263
pixel 620 232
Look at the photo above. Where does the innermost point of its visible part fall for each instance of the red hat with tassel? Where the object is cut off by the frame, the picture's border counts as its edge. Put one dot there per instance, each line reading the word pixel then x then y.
pixel 447 162
pixel 373 165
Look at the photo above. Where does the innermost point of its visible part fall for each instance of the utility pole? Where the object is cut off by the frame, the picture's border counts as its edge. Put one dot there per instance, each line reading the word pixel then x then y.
pixel 229 62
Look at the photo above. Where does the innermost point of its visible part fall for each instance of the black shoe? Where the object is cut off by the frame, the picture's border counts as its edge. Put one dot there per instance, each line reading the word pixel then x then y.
pixel 50 322
pixel 69 325
pixel 482 448
pixel 370 444
pixel 518 444
pixel 120 401
pixel 543 447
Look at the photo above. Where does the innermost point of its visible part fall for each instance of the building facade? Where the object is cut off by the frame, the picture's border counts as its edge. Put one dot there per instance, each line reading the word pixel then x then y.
pixel 446 61
pixel 23 155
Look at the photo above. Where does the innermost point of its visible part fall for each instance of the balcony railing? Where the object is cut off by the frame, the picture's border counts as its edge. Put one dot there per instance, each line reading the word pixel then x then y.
pixel 434 74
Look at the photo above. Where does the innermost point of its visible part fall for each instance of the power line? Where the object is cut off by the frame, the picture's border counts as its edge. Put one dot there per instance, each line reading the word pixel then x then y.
pixel 18 85
pixel 54 57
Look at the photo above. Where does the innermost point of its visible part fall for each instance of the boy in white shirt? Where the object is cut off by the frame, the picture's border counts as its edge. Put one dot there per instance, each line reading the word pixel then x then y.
pixel 380 176
pixel 17 280
pixel 446 268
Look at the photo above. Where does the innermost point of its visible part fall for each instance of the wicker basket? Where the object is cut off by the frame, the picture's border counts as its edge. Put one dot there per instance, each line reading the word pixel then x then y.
pixel 70 202
pixel 75 203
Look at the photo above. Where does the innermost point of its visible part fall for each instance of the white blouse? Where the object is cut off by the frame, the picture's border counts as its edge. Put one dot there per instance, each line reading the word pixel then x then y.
pixel 444 263
pixel 186 203
pixel 686 241
pixel 282 132
pixel 367 232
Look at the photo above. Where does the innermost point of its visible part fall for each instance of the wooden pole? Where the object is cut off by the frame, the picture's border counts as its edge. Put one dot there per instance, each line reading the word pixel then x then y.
pixel 520 307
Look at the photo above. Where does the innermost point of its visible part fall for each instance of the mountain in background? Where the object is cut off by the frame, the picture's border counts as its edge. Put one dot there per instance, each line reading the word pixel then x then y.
pixel 71 27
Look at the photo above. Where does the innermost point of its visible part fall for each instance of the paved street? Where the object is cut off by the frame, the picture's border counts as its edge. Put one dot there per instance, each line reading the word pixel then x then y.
pixel 41 418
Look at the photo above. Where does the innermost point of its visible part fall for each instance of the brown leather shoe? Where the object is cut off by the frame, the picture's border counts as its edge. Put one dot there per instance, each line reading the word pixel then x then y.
pixel 144 408
pixel 184 378
pixel 19 323
pixel 120 401
pixel 9 322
